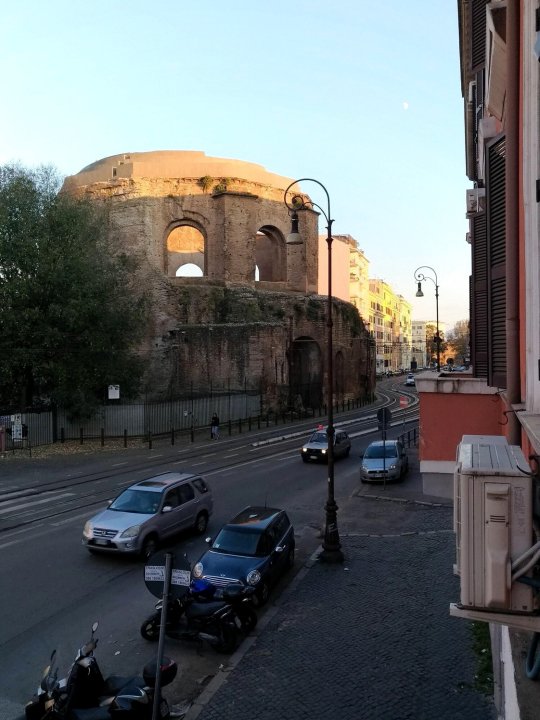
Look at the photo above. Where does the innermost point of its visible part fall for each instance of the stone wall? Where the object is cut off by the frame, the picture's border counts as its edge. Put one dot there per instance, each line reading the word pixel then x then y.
pixel 225 328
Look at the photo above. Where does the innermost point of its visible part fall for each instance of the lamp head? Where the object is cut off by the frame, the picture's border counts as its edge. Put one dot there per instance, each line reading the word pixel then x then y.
pixel 294 237
pixel 419 292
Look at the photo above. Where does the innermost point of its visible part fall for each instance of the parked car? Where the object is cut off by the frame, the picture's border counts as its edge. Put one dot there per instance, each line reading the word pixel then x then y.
pixel 255 548
pixel 148 512
pixel 384 460
pixel 410 380
pixel 316 448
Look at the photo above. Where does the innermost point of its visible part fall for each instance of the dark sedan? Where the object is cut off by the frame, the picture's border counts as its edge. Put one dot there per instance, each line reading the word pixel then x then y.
pixel 255 548
pixel 316 448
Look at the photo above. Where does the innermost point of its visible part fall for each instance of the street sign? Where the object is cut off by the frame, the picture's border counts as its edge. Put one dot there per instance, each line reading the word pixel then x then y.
pixel 154 575
pixel 384 416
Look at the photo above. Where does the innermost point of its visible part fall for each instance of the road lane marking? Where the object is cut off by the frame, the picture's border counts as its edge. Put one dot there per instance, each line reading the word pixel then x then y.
pixel 31 503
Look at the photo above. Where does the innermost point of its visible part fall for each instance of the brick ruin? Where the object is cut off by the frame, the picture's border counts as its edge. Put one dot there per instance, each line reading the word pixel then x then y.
pixel 234 306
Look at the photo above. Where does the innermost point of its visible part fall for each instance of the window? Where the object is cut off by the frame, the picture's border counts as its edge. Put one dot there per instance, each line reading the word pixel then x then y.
pixel 185 493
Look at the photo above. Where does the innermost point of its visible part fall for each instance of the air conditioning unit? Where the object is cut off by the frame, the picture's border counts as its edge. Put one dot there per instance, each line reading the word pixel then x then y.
pixel 493 525
pixel 475 201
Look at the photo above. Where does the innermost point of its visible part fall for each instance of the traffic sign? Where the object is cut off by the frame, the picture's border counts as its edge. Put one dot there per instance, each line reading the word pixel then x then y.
pixel 154 575
pixel 384 416
pixel 403 402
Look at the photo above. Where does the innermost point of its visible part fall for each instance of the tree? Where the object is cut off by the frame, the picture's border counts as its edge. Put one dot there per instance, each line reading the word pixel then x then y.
pixel 459 340
pixel 71 315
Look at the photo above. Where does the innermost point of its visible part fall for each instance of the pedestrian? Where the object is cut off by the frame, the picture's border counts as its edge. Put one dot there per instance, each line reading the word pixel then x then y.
pixel 214 427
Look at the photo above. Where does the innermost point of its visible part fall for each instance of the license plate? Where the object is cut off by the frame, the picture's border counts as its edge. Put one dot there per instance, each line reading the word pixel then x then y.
pixel 101 541
pixel 313 457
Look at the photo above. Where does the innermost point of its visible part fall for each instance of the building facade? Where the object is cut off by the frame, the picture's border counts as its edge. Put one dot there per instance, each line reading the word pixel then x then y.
pixel 499 399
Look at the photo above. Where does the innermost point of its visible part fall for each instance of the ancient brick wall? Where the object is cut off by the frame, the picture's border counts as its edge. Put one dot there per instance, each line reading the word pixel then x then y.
pixel 225 328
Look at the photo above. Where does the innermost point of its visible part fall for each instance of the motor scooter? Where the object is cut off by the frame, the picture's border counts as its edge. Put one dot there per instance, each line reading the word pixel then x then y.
pixel 86 695
pixel 197 616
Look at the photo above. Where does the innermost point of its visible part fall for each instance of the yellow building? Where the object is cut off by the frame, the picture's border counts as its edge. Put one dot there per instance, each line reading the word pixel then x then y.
pixel 391 324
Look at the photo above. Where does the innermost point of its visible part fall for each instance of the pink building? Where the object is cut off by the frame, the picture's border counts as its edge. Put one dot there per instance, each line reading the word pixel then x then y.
pixel 500 398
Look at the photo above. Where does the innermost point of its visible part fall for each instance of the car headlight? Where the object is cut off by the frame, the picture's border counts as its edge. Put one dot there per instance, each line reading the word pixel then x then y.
pixel 131 532
pixel 88 531
pixel 324 451
pixel 197 570
pixel 253 577
pixel 304 449
pixel 392 466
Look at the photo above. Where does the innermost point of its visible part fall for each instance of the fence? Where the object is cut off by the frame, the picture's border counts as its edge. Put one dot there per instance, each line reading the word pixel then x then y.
pixel 147 420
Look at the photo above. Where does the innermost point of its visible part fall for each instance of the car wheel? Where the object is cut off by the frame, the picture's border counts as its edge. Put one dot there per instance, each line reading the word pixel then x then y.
pixel 261 596
pixel 201 523
pixel 150 546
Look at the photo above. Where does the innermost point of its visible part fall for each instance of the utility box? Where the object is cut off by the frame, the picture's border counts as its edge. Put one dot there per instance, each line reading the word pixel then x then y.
pixel 493 522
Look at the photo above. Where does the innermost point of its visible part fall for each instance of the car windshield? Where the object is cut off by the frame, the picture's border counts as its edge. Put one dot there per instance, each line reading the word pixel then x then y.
pixel 380 451
pixel 136 501
pixel 318 437
pixel 237 541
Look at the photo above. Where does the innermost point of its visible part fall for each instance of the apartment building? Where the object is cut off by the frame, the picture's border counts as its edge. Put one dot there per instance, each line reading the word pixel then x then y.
pixel 496 407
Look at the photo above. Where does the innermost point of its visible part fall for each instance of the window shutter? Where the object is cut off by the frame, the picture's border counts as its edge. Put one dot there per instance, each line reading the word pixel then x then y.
pixel 479 314
pixel 478 33
pixel 496 260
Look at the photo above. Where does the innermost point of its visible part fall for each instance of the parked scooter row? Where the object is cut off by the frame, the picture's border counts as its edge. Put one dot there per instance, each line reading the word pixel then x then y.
pixel 217 615
pixel 86 695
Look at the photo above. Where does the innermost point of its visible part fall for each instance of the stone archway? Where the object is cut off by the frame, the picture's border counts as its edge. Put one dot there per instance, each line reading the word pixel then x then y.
pixel 185 246
pixel 306 372
pixel 339 376
pixel 270 255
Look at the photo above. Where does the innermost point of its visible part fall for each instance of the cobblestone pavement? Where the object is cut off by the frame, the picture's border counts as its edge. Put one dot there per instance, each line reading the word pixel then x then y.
pixel 371 639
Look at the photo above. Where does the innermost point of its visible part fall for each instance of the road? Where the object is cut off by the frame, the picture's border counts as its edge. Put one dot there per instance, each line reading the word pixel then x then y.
pixel 53 589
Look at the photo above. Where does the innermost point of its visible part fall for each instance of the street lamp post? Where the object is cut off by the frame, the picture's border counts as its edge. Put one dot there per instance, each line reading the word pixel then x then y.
pixel 419 277
pixel 331 551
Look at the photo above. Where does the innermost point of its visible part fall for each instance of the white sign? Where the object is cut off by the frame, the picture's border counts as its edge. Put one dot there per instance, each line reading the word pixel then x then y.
pixel 16 432
pixel 154 573
pixel 16 419
pixel 114 392
pixel 181 577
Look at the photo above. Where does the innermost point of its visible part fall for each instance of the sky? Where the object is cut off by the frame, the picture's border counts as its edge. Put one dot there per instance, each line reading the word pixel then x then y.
pixel 362 96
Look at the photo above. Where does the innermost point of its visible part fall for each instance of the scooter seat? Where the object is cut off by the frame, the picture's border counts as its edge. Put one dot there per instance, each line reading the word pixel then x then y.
pixel 204 609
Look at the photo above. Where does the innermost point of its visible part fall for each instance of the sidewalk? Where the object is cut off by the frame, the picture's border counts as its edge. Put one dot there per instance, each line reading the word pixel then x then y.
pixel 369 639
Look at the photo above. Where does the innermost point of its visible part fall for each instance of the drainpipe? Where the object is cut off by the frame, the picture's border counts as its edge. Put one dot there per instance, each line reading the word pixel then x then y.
pixel 513 389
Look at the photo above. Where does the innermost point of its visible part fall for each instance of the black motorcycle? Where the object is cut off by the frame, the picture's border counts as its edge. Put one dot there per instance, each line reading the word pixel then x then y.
pixel 204 613
pixel 86 695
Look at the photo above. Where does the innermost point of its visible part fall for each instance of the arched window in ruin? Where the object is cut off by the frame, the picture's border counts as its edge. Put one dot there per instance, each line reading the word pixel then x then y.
pixel 270 255
pixel 185 249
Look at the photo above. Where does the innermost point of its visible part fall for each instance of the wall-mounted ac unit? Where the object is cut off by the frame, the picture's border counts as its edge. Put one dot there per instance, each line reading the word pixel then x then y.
pixel 493 524
pixel 475 201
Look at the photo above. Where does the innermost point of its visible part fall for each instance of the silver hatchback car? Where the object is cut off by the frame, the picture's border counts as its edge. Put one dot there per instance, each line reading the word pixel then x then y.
pixel 384 460
pixel 149 512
